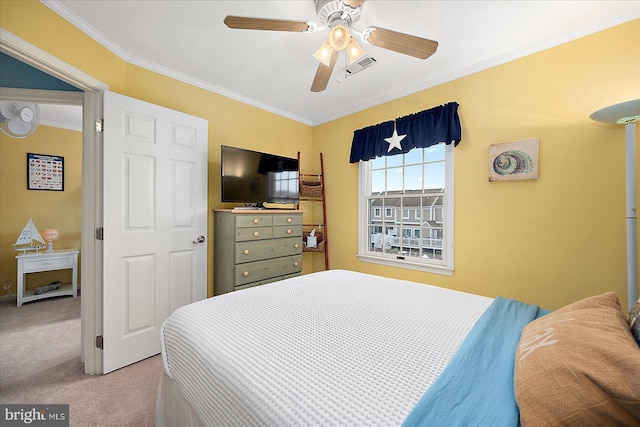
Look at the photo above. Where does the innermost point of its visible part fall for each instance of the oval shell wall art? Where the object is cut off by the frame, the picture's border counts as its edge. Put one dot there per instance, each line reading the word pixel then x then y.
pixel 516 160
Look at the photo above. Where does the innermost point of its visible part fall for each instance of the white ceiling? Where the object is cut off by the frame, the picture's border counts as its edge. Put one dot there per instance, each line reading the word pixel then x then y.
pixel 188 40
pixel 61 116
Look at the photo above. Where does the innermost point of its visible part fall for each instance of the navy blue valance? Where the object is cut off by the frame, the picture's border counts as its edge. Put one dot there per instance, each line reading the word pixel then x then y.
pixel 423 129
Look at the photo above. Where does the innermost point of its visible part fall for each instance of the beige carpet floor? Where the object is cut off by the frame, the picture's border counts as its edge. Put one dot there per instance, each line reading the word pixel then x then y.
pixel 40 364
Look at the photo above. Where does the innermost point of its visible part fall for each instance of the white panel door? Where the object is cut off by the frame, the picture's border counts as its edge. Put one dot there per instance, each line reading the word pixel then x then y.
pixel 155 212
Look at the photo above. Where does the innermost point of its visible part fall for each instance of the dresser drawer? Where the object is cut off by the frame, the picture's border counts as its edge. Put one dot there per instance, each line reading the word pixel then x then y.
pixel 253 233
pixel 261 270
pixel 264 282
pixel 287 220
pixel 32 265
pixel 254 251
pixel 254 221
pixel 286 231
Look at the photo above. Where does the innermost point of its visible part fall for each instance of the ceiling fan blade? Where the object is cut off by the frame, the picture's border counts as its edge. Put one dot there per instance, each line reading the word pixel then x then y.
pixel 402 43
pixel 323 74
pixel 243 23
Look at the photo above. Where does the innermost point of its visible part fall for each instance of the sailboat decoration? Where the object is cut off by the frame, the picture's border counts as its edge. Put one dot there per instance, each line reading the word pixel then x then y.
pixel 29 239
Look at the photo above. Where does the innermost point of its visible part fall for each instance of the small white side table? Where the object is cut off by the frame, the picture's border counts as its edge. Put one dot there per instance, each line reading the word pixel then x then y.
pixel 60 259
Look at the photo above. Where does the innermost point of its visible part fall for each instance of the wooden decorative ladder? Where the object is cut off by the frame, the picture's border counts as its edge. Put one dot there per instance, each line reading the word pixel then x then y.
pixel 312 189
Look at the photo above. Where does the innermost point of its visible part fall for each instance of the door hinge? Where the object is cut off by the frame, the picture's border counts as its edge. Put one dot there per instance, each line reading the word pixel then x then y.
pixel 99 233
pixel 100 125
pixel 100 342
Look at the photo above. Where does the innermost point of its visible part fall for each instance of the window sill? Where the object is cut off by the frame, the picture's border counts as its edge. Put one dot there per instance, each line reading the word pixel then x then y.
pixel 428 268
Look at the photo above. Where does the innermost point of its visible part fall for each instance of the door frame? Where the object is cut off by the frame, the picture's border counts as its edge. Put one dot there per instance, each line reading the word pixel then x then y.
pixel 92 166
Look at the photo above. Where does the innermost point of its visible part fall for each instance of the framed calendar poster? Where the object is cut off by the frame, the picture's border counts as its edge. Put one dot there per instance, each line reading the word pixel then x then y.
pixel 45 172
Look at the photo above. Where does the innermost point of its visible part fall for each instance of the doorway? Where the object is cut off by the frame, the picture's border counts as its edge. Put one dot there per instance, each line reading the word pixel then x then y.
pixel 41 163
pixel 91 101
pixel 47 148
pixel 177 142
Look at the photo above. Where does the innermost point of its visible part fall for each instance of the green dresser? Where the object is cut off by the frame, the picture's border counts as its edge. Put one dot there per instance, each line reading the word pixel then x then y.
pixel 255 247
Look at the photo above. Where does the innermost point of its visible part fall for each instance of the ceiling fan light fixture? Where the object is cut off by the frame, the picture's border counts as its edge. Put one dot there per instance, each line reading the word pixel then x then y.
pixel 339 37
pixel 323 54
pixel 339 17
pixel 354 51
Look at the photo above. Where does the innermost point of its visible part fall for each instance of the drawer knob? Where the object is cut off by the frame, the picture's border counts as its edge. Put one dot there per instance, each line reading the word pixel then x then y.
pixel 289 231
pixel 256 220
pixel 245 274
pixel 246 252
pixel 289 219
pixel 295 264
pixel 256 234
pixel 296 246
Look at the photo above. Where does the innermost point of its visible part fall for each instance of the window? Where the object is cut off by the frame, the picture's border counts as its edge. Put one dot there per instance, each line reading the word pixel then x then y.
pixel 377 212
pixel 420 181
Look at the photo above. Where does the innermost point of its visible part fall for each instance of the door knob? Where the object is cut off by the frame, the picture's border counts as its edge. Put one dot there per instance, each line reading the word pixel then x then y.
pixel 199 240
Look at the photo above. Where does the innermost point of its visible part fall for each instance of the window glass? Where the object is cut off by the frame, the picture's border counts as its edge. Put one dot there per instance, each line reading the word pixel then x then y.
pixel 411 189
pixel 413 157
pixel 435 153
pixel 394 179
pixel 377 181
pixel 413 177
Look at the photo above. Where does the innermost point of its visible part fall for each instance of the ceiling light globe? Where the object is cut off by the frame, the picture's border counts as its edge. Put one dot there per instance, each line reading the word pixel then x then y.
pixel 323 54
pixel 354 51
pixel 339 37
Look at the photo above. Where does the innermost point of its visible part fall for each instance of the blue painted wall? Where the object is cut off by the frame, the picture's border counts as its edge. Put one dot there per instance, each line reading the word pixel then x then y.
pixel 17 74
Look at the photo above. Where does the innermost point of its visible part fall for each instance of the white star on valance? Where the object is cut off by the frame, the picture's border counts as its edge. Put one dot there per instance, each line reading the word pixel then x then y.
pixel 394 141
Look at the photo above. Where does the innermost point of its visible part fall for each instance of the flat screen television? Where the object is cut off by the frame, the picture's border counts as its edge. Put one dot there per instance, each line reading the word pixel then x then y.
pixel 254 178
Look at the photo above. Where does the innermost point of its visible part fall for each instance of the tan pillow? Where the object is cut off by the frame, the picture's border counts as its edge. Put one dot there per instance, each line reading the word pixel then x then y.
pixel 579 366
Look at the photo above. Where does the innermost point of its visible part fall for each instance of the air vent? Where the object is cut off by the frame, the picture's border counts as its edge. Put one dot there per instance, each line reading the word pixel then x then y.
pixel 362 63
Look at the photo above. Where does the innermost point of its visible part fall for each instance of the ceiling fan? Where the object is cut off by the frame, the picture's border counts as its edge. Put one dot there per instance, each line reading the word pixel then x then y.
pixel 18 119
pixel 338 16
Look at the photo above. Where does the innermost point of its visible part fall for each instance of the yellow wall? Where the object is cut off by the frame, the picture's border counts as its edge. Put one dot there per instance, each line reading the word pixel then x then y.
pixel 548 241
pixel 50 209
pixel 230 122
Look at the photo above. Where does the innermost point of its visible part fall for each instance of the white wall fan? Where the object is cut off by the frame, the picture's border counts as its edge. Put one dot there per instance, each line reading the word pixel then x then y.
pixel 339 16
pixel 18 119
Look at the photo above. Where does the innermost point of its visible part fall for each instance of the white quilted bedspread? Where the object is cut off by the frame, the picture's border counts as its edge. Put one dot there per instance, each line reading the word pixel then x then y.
pixel 334 348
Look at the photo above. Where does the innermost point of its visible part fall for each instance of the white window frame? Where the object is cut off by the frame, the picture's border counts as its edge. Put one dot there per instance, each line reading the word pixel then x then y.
pixel 377 212
pixel 444 266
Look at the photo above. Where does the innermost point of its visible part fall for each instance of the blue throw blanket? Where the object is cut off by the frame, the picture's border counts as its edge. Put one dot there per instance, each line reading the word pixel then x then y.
pixel 476 388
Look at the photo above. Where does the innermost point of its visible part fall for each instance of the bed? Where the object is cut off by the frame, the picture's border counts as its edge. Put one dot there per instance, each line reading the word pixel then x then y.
pixel 341 348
